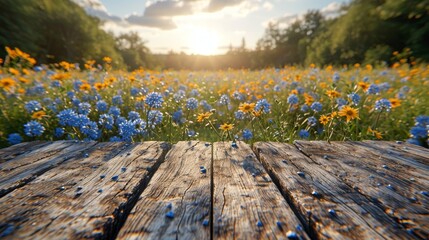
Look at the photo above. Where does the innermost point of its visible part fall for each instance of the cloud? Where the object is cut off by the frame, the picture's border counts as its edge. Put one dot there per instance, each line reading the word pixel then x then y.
pixel 331 10
pixel 169 8
pixel 97 9
pixel 155 22
pixel 217 5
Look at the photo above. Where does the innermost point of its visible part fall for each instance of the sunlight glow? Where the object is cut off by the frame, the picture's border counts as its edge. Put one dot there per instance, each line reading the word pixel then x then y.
pixel 203 41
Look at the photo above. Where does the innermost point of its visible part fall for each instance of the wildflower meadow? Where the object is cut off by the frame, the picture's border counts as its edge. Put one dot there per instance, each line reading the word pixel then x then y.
pixel 97 102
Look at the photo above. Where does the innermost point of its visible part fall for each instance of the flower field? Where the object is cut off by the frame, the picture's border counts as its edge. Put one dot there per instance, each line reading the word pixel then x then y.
pixel 94 102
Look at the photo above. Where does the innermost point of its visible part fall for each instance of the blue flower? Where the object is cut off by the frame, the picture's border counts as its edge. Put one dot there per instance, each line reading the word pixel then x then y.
pixel 224 100
pixel 117 100
pixel 312 121
pixel 179 95
pixel 90 129
pixel 154 117
pixel 106 121
pixel 127 130
pixel 191 103
pixel 59 132
pixel 419 132
pixel 67 117
pixel 263 105
pixel 32 106
pixel 154 100
pixel 373 89
pixel 247 134
pixel 383 104
pixel 239 115
pixel 134 91
pixel 292 99
pixel 33 129
pixel 84 108
pixel 341 102
pixel 75 101
pixel 101 106
pixel 336 77
pixel 305 108
pixel 422 121
pixel 191 133
pixel 355 98
pixel 14 138
pixel 206 105
pixel 115 111
pixel 303 133
pixel 115 139
pixel 178 117
pixel 238 96
pixel 316 106
pixel 132 115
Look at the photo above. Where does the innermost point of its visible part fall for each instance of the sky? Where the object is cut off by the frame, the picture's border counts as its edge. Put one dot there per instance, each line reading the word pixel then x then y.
pixel 204 27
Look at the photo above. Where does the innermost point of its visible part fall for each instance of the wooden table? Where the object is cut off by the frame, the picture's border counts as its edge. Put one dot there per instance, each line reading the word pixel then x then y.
pixel 198 190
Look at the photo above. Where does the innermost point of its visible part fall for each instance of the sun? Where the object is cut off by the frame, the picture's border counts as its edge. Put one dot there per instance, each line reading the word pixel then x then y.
pixel 203 41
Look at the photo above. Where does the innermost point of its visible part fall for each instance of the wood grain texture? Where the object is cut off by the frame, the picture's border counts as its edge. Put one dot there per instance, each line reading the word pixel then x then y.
pixel 246 203
pixel 24 168
pixel 12 152
pixel 177 200
pixel 354 217
pixel 66 202
pixel 393 182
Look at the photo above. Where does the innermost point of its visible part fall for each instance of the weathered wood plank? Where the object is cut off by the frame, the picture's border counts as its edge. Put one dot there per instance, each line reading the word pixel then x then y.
pixel 331 208
pixel 388 181
pixel 11 152
pixel 412 155
pixel 246 203
pixel 24 168
pixel 82 198
pixel 176 203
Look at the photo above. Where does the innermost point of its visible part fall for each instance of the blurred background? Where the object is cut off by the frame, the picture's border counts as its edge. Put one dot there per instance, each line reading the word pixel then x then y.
pixel 217 34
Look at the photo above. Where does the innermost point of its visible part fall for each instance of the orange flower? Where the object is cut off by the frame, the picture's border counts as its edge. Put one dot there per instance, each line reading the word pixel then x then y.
pixel 332 94
pixel 395 102
pixel 13 71
pixel 38 115
pixel 246 107
pixel 349 112
pixel 107 60
pixel 226 127
pixel 98 86
pixel 363 85
pixel 7 83
pixel 308 99
pixel 85 87
pixel 324 119
pixel 202 116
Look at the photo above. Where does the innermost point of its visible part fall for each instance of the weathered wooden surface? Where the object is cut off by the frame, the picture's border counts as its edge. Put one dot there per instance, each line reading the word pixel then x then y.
pixel 20 170
pixel 390 181
pixel 81 198
pixel 247 204
pixel 176 203
pixel 307 190
pixel 331 208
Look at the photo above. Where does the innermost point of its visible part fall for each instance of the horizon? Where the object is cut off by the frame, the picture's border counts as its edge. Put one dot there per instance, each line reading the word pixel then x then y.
pixel 202 27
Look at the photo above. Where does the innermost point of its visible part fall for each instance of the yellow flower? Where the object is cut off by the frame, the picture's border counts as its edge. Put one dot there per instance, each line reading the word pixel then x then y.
pixel 246 107
pixel 332 94
pixel 349 112
pixel 7 83
pixel 98 86
pixel 38 115
pixel 202 116
pixel 60 76
pixel 308 99
pixel 226 127
pixel 24 80
pixel 107 60
pixel 375 133
pixel 324 119
pixel 13 71
pixel 363 85
pixel 85 87
pixel 395 102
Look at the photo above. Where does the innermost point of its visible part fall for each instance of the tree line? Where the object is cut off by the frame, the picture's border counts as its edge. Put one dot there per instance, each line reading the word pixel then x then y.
pixel 366 31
